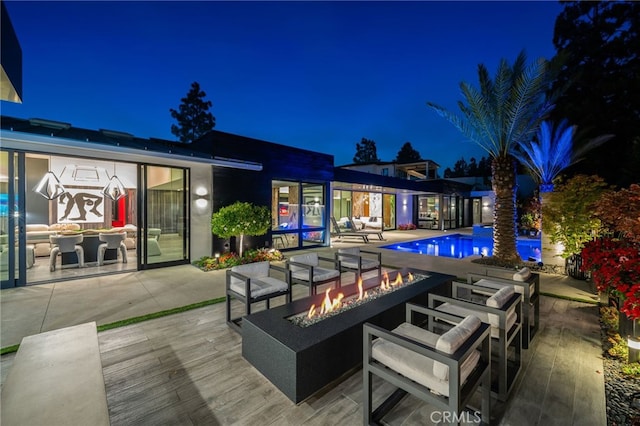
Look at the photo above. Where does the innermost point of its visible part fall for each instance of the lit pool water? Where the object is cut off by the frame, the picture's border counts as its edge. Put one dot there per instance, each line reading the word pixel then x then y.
pixel 459 246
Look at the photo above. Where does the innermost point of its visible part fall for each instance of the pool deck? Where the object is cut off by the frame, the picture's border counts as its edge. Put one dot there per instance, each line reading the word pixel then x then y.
pixel 187 368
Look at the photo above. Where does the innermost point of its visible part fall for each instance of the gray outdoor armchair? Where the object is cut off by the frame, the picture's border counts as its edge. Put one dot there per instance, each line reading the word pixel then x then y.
pixel 442 365
pixel 305 269
pixel 503 312
pixel 252 283
pixel 525 283
pixel 358 260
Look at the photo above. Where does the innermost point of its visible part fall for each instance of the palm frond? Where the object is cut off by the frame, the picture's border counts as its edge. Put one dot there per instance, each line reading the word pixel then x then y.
pixel 553 150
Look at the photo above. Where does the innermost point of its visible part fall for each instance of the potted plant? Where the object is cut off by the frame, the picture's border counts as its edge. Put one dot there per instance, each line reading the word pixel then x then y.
pixel 240 219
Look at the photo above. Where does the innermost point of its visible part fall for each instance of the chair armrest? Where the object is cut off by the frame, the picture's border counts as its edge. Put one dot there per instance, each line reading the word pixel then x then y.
pixel 533 279
pixel 278 268
pixel 246 279
pixel 412 308
pixel 335 262
pixel 514 302
pixel 481 335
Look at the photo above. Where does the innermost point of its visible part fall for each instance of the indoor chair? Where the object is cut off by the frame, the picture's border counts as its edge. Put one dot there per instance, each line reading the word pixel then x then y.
pixel 112 241
pixel 66 244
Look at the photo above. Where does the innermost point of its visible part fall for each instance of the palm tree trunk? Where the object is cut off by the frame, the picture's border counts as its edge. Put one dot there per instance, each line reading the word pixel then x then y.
pixel 503 171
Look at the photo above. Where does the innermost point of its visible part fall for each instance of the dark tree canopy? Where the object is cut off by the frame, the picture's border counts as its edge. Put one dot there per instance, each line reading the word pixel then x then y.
pixel 366 152
pixel 472 169
pixel 407 154
pixel 601 45
pixel 193 116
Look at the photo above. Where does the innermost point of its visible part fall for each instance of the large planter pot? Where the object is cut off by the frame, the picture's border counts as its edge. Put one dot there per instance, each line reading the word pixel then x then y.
pixel 573 267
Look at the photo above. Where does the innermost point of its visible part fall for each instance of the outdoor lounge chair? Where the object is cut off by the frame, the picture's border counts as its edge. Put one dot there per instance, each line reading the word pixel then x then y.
pixel 442 370
pixel 340 233
pixel 503 312
pixel 353 232
pixel 357 260
pixel 305 269
pixel 525 283
pixel 252 283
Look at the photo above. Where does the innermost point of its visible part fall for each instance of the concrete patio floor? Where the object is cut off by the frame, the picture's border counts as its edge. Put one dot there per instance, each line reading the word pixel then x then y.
pixel 561 381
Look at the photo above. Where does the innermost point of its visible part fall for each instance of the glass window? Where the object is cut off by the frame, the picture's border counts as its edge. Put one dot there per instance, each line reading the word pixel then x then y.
pixel 285 207
pixel 313 207
pixel 298 214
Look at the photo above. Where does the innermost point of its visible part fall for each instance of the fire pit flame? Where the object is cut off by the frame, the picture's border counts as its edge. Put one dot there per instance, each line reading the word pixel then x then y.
pixel 331 305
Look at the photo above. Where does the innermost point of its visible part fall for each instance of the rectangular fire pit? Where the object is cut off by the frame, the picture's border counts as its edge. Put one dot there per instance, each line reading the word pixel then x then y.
pixel 302 360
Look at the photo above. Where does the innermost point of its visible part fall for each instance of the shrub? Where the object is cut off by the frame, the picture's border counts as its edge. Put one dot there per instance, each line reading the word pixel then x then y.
pixel 228 260
pixel 406 226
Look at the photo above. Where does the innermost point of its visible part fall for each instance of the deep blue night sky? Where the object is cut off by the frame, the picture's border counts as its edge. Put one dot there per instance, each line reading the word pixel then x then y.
pixel 315 75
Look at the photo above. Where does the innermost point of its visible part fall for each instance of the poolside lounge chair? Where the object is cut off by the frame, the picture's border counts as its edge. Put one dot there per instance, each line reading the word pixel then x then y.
pixel 442 369
pixel 364 234
pixel 340 233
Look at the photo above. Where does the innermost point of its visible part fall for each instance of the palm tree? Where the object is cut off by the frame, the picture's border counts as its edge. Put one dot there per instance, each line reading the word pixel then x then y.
pixel 498 116
pixel 553 151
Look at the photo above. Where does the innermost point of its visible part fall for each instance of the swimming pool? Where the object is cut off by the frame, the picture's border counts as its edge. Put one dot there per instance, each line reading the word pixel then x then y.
pixel 459 246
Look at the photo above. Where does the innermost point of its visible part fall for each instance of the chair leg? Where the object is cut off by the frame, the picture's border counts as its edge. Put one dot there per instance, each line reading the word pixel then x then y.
pixel 123 250
pixel 80 253
pixel 101 251
pixel 228 308
pixel 53 255
pixel 367 397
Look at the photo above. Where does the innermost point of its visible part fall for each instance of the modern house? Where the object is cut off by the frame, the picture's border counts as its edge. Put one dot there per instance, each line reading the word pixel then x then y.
pixel 57 180
pixel 61 187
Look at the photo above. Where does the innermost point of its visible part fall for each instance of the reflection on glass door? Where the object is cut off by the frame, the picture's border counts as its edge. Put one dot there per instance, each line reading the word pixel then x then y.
pixel 9 271
pixel 165 215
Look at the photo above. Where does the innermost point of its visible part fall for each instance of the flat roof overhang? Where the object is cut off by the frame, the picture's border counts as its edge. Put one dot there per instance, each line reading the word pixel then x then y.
pixel 62 146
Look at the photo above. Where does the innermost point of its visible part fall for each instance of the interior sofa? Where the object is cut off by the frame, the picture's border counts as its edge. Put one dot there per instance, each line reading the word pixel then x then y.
pixel 38 236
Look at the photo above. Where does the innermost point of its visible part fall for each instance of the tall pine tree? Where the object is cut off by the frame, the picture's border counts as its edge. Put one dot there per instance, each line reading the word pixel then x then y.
pixel 601 41
pixel 407 154
pixel 366 152
pixel 193 116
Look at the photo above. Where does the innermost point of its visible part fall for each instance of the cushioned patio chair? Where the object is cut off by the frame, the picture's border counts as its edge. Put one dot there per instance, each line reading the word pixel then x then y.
pixel 503 312
pixel 444 370
pixel 305 269
pixel 252 283
pixel 525 283
pixel 358 260
pixel 112 241
pixel 66 244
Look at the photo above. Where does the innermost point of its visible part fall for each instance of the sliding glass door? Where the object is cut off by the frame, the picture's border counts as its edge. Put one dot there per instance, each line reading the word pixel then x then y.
pixel 165 213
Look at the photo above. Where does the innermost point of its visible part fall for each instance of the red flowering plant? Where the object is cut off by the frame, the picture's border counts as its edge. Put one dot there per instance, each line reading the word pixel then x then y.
pixel 615 270
pixel 615 262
